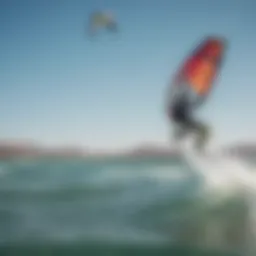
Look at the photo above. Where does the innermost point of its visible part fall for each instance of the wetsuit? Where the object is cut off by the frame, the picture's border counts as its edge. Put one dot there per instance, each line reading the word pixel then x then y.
pixel 180 112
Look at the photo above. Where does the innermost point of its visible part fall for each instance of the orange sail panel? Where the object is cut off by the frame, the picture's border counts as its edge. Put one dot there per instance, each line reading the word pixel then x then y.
pixel 201 68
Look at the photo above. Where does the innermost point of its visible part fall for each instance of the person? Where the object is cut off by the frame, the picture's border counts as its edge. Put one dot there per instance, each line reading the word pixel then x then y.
pixel 181 114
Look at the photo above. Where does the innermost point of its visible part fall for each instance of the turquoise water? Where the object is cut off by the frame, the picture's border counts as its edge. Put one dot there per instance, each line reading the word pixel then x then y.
pixel 147 206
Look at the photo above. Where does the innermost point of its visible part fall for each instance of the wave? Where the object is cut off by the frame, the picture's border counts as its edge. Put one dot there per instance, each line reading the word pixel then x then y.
pixel 140 204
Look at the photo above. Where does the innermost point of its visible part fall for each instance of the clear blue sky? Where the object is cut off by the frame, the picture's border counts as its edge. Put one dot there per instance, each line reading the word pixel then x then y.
pixel 58 87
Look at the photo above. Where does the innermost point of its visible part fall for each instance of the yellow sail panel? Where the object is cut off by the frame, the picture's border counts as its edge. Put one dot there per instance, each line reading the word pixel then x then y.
pixel 201 77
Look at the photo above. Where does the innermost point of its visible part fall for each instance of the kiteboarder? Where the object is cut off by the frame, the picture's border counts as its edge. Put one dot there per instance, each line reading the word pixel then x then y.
pixel 190 88
pixel 102 20
pixel 181 114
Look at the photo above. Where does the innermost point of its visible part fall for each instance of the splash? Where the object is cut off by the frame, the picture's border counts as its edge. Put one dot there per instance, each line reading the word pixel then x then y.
pixel 226 179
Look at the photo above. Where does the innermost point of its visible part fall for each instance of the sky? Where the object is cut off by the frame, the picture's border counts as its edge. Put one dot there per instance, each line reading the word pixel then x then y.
pixel 59 87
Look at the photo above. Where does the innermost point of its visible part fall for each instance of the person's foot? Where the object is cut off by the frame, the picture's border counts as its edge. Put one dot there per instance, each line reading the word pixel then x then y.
pixel 180 133
pixel 202 138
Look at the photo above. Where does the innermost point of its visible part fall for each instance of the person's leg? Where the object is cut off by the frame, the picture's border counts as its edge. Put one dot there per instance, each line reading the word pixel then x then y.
pixel 179 132
pixel 181 119
pixel 202 133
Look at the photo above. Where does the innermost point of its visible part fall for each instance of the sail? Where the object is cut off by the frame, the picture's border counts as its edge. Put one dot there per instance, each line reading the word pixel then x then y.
pixel 200 69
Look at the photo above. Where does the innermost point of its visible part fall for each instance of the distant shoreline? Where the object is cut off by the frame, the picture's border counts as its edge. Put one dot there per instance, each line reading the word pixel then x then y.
pixel 25 150
pixel 33 151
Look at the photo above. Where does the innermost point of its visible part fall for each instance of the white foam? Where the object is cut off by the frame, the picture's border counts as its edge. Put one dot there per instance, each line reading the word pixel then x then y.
pixel 225 176
pixel 221 172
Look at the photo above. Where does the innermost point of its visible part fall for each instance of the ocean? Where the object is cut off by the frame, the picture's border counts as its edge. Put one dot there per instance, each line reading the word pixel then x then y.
pixel 120 206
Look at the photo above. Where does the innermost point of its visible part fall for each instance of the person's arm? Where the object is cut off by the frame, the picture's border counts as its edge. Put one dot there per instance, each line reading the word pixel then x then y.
pixel 199 101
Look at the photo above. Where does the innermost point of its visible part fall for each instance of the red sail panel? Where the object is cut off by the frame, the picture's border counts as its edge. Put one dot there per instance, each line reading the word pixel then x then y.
pixel 201 68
